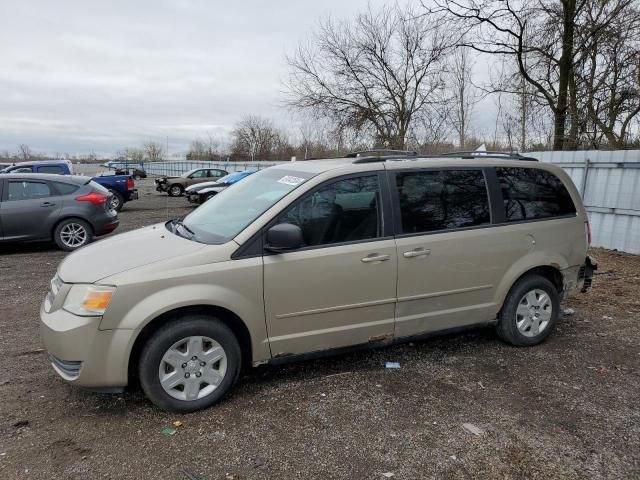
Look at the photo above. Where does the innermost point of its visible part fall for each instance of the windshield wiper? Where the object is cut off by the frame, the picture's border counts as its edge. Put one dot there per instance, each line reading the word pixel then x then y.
pixel 178 223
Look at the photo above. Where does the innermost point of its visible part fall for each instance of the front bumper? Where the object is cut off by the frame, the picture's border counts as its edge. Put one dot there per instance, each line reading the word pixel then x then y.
pixel 162 186
pixel 193 197
pixel 81 353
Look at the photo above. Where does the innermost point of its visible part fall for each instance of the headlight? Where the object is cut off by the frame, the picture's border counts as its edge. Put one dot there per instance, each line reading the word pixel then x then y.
pixel 88 300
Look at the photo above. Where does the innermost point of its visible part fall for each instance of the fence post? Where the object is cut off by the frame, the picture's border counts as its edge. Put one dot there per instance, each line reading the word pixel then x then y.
pixel 583 190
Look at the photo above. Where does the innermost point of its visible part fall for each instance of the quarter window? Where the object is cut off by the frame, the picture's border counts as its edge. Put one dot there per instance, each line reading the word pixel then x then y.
pixel 433 200
pixel 531 193
pixel 345 211
pixel 20 190
pixel 65 188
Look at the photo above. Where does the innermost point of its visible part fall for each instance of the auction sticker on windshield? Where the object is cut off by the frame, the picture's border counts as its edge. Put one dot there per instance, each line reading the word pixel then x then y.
pixel 290 180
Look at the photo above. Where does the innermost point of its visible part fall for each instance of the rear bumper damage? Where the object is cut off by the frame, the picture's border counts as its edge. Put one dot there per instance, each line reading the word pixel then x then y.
pixel 585 275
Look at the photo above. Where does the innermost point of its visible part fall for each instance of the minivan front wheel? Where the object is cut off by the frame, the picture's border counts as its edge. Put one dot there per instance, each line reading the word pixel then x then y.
pixel 189 364
pixel 530 311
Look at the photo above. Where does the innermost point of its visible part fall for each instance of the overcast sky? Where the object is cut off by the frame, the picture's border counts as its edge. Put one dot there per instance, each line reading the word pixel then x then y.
pixel 78 76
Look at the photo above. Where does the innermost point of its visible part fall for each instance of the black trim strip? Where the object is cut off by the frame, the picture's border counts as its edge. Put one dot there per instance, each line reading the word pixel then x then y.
pixel 496 201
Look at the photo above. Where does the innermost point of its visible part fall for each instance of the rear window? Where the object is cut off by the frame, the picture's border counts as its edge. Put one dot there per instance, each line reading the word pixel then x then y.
pixel 433 200
pixel 51 169
pixel 530 194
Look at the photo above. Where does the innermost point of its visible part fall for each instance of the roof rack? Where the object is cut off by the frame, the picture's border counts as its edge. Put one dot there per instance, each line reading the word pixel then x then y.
pixel 485 154
pixel 379 152
pixel 402 155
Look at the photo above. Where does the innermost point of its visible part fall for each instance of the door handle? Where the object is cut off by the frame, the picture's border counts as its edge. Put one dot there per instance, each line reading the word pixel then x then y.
pixel 375 257
pixel 418 252
pixel 47 204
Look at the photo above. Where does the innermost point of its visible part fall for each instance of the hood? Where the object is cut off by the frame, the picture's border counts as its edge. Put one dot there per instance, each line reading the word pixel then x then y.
pixel 214 188
pixel 199 186
pixel 124 252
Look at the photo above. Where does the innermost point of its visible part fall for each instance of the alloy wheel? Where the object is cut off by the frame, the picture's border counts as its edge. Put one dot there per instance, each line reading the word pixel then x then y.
pixel 73 235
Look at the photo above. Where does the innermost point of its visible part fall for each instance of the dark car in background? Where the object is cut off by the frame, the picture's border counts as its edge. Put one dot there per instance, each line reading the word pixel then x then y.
pixel 202 192
pixel 69 209
pixel 175 186
pixel 122 187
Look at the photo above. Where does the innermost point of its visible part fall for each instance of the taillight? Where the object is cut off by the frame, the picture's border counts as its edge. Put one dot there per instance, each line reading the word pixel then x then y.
pixel 130 184
pixel 587 231
pixel 93 197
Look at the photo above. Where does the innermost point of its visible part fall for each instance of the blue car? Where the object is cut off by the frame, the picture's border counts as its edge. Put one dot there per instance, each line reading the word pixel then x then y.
pixel 202 192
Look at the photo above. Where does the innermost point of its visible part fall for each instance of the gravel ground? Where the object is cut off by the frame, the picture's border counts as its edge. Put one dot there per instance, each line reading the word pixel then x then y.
pixel 569 408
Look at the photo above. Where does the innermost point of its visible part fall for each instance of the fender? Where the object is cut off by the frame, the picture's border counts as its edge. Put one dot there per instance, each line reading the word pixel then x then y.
pixel 533 259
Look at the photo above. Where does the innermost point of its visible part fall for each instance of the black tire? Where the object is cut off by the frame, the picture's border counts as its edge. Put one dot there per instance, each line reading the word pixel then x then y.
pixel 158 344
pixel 60 233
pixel 137 177
pixel 209 195
pixel 507 328
pixel 117 201
pixel 175 190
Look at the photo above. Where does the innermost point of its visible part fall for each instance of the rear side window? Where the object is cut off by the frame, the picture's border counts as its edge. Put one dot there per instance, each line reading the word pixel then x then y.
pixel 433 200
pixel 530 193
pixel 27 190
pixel 51 169
pixel 65 188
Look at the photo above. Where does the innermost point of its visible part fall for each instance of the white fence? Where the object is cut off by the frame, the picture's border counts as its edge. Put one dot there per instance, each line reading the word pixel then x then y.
pixel 609 182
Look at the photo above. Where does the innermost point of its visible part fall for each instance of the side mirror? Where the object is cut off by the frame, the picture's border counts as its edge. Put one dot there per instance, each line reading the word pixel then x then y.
pixel 283 238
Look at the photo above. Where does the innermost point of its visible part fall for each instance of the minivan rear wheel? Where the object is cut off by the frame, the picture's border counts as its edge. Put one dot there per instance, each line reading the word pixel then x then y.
pixel 189 364
pixel 530 311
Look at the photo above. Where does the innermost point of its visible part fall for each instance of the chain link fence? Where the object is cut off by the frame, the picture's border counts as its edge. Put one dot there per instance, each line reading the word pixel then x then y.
pixel 176 168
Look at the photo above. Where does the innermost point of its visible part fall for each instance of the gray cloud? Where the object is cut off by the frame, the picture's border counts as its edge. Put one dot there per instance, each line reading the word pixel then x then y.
pixel 79 76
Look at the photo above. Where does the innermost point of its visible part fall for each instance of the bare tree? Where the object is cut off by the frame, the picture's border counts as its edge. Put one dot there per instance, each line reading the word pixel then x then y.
pixel 464 94
pixel 256 138
pixel 377 72
pixel 607 82
pixel 24 152
pixel 547 41
pixel 153 151
pixel 133 154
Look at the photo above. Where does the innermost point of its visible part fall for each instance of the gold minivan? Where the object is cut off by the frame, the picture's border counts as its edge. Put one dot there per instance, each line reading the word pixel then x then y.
pixel 309 257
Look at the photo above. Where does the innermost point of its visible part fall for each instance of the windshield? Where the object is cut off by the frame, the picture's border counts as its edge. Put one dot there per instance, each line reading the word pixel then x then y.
pixel 186 174
pixel 224 216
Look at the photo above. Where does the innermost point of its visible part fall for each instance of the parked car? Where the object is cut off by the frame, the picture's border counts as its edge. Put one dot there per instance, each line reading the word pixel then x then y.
pixel 175 186
pixel 136 173
pixel 201 192
pixel 304 258
pixel 4 165
pixel 122 187
pixel 59 167
pixel 70 210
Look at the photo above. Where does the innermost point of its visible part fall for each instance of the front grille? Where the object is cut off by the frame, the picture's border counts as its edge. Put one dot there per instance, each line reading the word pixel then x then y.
pixel 67 368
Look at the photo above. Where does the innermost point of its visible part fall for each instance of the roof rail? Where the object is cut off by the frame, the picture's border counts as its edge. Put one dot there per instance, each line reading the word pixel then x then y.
pixel 378 152
pixel 485 154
